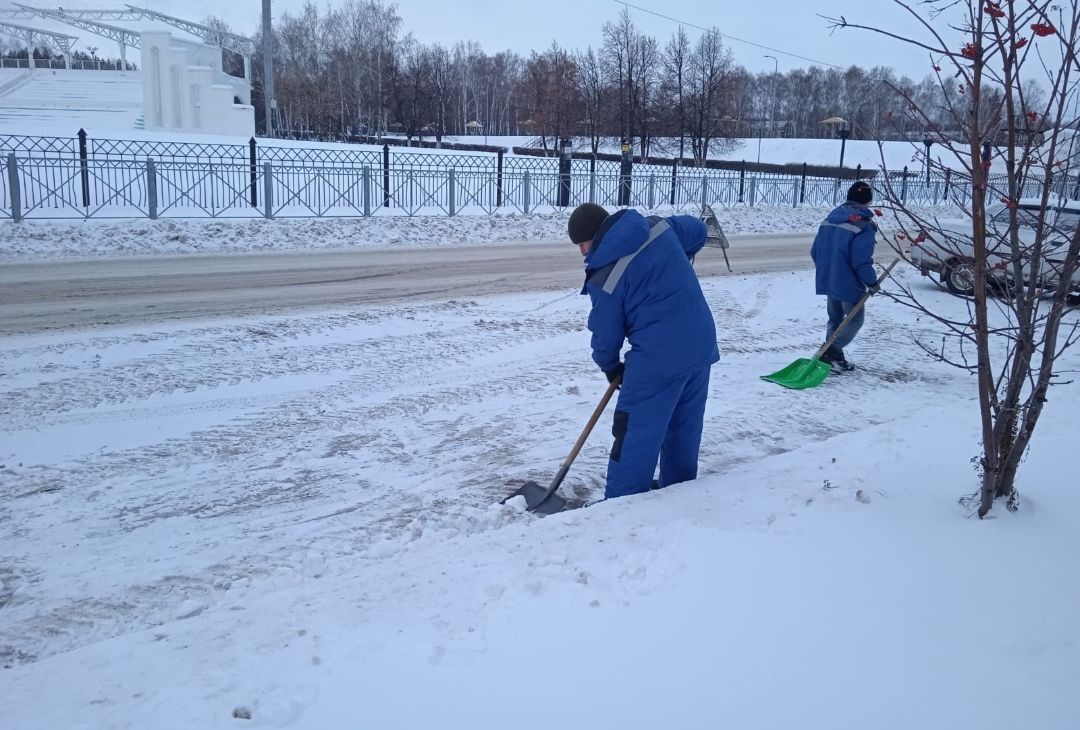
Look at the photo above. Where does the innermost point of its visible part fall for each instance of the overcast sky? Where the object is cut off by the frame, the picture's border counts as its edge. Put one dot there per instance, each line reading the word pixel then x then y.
pixel 788 26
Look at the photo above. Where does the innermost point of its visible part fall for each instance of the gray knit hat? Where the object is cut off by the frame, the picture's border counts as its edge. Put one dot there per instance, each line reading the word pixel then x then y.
pixel 585 222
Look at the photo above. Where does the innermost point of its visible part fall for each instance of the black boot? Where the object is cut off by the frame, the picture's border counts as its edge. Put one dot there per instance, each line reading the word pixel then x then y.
pixel 836 360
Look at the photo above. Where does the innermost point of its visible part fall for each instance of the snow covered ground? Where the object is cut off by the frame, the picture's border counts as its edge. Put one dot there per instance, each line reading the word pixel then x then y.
pixel 42 240
pixel 93 238
pixel 294 522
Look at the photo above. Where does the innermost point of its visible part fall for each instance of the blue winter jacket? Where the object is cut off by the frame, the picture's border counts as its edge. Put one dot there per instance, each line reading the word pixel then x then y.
pixel 643 289
pixel 843 253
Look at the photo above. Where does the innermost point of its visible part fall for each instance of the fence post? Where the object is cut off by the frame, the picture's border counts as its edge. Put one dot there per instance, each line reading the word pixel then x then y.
pixel 451 186
pixel 525 193
pixel 945 192
pixel 742 180
pixel 151 188
pixel 704 191
pixel 674 179
pixel 253 161
pixel 795 194
pixel 903 186
pixel 802 186
pixel 592 180
pixel 626 171
pixel 13 186
pixel 1076 189
pixel 652 192
pixel 213 188
pixel 366 193
pixel 499 180
pixel 386 175
pixel 566 162
pixel 84 170
pixel 753 191
pixel 268 190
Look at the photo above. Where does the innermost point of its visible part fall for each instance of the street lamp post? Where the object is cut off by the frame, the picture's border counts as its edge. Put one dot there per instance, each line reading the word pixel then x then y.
pixel 759 123
pixel 844 133
pixel 841 126
pixel 268 67
pixel 927 141
pixel 566 158
pixel 776 74
pixel 625 172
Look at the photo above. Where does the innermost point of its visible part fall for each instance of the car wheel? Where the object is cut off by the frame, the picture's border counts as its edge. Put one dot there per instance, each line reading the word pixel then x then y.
pixel 959 277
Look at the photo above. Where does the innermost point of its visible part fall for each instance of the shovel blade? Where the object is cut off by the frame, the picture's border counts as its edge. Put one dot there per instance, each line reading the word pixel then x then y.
pixel 801 374
pixel 715 236
pixel 534 499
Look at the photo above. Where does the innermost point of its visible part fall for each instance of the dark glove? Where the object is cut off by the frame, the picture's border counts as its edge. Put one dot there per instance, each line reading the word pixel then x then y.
pixel 615 374
pixel 873 289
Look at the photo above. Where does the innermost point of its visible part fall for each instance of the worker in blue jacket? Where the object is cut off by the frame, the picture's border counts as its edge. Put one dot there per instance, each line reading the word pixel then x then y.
pixel 843 254
pixel 641 281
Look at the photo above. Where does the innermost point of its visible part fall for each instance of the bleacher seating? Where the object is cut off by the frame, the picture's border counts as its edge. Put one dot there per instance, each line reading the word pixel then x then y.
pixel 53 99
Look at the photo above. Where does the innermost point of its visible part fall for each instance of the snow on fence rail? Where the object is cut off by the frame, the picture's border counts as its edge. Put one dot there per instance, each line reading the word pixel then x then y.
pixel 55 177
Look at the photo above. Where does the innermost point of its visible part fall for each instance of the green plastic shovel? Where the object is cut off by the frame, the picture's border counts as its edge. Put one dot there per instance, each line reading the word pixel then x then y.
pixel 809 373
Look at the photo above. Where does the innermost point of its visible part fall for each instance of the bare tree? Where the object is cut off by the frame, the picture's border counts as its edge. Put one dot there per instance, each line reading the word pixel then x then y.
pixel 489 88
pixel 1014 339
pixel 564 94
pixel 593 95
pixel 649 67
pixel 369 39
pixel 412 88
pixel 300 83
pixel 505 69
pixel 442 88
pixel 621 64
pixel 465 60
pixel 341 66
pixel 676 62
pixel 536 82
pixel 710 65
pixel 551 81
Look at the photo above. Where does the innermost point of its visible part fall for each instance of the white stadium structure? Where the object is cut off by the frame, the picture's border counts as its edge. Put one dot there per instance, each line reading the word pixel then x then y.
pixel 179 84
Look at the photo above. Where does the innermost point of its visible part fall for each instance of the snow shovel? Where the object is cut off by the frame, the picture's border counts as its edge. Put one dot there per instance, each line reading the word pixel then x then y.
pixel 715 237
pixel 544 501
pixel 804 373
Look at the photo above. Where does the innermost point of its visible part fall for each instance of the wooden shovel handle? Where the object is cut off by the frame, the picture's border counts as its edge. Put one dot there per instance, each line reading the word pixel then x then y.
pixel 592 421
pixel 554 486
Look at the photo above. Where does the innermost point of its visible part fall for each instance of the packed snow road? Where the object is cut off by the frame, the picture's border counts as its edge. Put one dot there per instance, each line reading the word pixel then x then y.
pixel 51 296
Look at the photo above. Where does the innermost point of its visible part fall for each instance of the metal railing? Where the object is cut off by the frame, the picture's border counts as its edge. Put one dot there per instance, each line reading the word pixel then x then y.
pixel 58 64
pixel 67 186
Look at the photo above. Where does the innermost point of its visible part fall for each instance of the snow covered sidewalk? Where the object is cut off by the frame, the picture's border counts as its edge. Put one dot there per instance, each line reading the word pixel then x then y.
pixel 42 240
pixel 293 522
